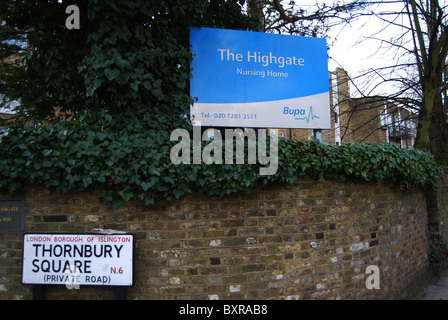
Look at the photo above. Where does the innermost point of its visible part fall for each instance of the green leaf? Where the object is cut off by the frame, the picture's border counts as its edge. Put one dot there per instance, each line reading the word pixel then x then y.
pixel 126 195
pixel 47 163
pixel 94 86
pixel 134 85
pixel 87 181
pixel 46 152
pixel 101 136
pixel 124 64
pixel 37 165
pixel 123 78
pixel 178 193
pixel 305 165
pixel 147 85
pixel 111 74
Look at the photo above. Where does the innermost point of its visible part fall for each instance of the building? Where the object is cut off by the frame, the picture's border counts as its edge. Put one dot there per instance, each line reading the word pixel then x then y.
pixel 369 119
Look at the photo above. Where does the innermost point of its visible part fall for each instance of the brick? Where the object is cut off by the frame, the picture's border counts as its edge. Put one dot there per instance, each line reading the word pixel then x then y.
pixel 56 218
pixel 253 267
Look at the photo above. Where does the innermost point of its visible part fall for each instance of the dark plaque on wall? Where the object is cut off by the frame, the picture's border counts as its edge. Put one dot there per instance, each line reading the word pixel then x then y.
pixel 12 218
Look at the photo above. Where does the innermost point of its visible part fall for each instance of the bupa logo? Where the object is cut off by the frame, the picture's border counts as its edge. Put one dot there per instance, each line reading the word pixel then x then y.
pixel 301 114
pixel 294 112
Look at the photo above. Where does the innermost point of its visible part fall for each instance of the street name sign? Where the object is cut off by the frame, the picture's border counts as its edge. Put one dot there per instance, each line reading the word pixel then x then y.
pixel 78 259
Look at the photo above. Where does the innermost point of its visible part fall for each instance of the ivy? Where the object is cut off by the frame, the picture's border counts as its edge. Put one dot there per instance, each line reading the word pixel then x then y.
pixel 127 55
pixel 130 160
pixel 438 254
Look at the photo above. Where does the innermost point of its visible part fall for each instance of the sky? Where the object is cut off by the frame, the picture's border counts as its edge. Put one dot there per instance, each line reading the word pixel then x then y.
pixel 353 49
pixel 343 39
pixel 350 50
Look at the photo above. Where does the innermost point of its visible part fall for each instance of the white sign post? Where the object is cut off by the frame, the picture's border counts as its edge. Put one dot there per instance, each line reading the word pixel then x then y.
pixel 78 259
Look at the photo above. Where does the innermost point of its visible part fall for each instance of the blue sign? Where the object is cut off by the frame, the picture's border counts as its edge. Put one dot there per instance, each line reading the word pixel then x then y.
pixel 254 79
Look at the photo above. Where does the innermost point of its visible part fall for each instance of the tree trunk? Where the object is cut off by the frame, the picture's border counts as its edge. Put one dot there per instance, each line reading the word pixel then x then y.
pixel 424 117
pixel 255 9
pixel 438 132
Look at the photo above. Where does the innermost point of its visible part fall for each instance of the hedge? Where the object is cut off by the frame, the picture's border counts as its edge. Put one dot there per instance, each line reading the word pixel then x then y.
pixel 133 162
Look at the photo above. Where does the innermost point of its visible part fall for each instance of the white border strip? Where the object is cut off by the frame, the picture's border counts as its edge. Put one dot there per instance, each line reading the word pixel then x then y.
pixel 310 112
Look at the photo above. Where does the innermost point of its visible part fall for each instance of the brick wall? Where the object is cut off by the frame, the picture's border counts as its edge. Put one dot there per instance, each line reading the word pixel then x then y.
pixel 308 240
